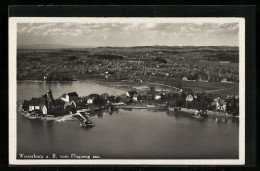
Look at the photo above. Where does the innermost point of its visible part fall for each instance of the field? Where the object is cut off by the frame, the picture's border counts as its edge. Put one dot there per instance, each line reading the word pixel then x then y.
pixel 211 87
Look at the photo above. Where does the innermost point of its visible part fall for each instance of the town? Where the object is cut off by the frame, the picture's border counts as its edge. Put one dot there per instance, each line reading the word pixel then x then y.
pixel 146 63
pixel 71 103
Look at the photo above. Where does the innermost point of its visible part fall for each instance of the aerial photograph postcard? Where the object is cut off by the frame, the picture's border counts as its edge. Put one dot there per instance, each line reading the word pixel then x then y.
pixel 141 91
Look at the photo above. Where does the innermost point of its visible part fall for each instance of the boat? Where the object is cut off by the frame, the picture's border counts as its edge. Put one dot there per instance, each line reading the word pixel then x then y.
pixel 200 115
pixel 174 108
pixel 86 124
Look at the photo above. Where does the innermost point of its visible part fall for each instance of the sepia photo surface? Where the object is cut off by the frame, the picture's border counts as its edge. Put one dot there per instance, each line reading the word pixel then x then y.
pixel 126 91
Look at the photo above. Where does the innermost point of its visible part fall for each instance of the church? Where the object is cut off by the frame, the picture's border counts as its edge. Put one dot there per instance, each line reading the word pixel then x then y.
pixel 39 104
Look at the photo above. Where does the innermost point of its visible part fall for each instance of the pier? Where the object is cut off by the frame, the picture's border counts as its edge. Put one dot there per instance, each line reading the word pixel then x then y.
pixel 84 122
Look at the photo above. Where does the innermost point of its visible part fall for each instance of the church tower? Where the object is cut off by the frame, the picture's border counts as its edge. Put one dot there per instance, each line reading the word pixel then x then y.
pixel 49 97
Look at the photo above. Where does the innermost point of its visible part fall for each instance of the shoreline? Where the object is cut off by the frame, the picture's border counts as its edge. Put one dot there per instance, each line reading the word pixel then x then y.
pixel 124 85
pixel 121 85
pixel 191 111
pixel 69 117
pixel 46 118
pixel 209 112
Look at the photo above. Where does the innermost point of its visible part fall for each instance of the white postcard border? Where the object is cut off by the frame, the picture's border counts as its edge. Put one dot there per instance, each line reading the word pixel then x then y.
pixel 13 91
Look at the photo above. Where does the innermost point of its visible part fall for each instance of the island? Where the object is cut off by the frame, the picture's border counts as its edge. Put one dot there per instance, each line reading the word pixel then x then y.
pixel 70 106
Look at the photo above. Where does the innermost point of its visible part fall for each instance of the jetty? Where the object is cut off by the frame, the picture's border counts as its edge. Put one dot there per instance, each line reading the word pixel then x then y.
pixel 83 119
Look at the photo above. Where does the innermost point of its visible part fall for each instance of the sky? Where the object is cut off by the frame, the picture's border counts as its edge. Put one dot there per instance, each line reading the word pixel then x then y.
pixel 128 34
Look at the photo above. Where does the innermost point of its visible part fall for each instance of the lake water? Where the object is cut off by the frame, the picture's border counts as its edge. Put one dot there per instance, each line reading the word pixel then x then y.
pixel 124 134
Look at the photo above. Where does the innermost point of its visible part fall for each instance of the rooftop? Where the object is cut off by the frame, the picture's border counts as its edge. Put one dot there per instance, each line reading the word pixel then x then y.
pixel 37 101
pixel 73 94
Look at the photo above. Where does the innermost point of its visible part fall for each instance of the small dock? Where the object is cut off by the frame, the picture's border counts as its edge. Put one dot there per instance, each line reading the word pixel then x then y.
pixel 84 122
pixel 174 108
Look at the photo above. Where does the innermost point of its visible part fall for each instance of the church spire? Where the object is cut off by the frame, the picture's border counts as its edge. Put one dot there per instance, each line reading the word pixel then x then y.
pixel 49 96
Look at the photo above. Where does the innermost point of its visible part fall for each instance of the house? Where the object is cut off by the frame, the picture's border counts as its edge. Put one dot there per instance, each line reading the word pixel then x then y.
pixel 90 101
pixel 107 76
pixel 131 94
pixel 38 104
pixel 73 96
pixel 222 105
pixel 217 99
pixel 189 98
pixel 157 97
pixel 93 99
pixel 224 80
pixel 185 78
pixel 195 96
pixel 137 97
pixel 44 110
pixel 35 103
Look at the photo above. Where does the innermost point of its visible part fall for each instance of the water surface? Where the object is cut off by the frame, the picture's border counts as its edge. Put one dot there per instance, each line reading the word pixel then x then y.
pixel 124 134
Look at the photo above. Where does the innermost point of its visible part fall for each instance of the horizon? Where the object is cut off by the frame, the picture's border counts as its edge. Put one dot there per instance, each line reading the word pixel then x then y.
pixel 25 47
pixel 127 34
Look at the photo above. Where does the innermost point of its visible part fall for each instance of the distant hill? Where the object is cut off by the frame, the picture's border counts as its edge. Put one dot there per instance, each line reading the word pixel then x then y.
pixel 51 46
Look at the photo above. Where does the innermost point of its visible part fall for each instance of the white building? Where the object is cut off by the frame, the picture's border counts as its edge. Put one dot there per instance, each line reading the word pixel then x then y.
pixel 38 104
pixel 185 78
pixel 189 98
pixel 69 97
pixel 157 97
pixel 44 110
pixel 90 101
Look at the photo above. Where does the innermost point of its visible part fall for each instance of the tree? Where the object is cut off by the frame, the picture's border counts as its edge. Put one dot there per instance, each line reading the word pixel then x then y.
pixel 179 84
pixel 58 103
pixel 152 89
